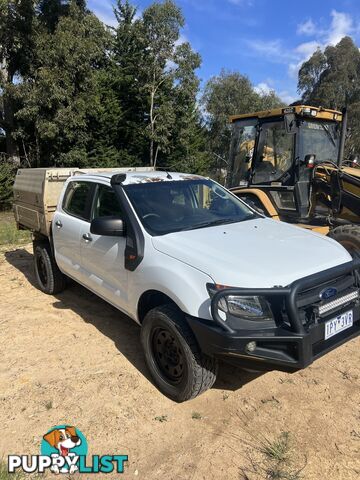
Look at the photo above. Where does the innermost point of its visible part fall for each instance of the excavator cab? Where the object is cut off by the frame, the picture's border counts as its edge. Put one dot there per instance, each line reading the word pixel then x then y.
pixel 276 152
pixel 288 164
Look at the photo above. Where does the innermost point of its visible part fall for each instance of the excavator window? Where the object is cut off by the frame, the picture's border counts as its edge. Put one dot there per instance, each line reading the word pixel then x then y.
pixel 244 136
pixel 275 156
pixel 320 139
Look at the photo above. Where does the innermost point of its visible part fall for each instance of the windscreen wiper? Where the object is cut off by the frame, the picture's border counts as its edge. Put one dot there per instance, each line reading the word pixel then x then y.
pixel 219 221
pixel 326 128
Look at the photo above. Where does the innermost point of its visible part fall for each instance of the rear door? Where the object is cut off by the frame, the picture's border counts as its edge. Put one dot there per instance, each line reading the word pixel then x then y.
pixel 103 258
pixel 70 219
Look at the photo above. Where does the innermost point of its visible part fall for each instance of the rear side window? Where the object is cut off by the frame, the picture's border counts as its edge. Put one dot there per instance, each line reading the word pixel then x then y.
pixel 77 199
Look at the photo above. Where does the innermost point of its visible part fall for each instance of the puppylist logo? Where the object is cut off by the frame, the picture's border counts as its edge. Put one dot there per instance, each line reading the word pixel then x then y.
pixel 63 450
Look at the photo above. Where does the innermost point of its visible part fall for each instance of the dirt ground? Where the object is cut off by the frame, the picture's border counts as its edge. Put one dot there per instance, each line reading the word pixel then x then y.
pixel 74 359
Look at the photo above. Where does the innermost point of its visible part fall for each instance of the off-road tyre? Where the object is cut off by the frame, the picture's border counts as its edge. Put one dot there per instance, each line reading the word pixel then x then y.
pixel 48 276
pixel 165 332
pixel 349 237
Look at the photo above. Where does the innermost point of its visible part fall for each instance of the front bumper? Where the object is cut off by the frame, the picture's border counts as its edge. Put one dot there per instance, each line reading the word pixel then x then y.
pixel 277 348
pixel 285 347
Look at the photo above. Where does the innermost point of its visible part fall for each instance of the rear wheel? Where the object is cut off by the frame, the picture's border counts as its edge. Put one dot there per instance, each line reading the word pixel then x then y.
pixel 48 276
pixel 349 237
pixel 179 369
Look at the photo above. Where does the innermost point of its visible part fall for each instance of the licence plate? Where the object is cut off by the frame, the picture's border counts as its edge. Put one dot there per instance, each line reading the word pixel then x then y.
pixel 338 324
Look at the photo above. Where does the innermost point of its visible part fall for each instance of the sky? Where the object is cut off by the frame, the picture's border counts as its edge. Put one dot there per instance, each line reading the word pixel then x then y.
pixel 267 40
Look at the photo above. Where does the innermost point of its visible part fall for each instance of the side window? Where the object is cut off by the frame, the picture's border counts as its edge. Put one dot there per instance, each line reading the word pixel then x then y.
pixel 106 203
pixel 76 201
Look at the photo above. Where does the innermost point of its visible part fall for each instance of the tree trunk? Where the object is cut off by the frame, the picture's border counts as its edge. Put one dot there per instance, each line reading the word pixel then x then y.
pixel 151 152
pixel 11 146
pixel 156 155
pixel 152 126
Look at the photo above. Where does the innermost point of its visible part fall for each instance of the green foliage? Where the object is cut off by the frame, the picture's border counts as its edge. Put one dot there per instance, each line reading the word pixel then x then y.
pixel 16 55
pixel 60 94
pixel 16 38
pixel 166 70
pixel 7 176
pixel 332 79
pixel 148 91
pixel 310 75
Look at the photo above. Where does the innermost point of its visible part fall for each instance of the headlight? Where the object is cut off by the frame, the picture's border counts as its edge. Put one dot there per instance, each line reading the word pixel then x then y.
pixel 246 307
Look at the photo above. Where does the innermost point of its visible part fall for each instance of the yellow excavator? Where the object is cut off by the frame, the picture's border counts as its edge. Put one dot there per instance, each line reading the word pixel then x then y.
pixel 288 163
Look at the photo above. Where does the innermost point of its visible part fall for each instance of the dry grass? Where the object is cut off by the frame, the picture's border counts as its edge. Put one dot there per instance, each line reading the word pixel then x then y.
pixel 5 475
pixel 272 459
pixel 9 234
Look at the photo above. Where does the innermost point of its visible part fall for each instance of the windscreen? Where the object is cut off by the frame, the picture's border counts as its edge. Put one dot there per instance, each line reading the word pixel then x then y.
pixel 173 206
pixel 321 139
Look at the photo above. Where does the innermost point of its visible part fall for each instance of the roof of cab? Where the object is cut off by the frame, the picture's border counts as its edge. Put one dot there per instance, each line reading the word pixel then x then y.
pixel 132 178
pixel 321 113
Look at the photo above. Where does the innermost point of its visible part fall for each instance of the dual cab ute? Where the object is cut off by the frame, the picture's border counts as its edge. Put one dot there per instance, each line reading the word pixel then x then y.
pixel 205 275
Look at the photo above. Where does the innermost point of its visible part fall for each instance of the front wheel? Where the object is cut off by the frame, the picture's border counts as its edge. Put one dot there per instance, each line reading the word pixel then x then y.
pixel 349 237
pixel 179 369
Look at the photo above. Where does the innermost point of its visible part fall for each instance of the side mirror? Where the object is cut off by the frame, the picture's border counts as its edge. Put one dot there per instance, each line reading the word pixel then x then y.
pixel 310 160
pixel 107 226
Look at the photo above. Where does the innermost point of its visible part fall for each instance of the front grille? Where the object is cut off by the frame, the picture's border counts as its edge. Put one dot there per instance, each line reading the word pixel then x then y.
pixel 312 308
pixel 312 296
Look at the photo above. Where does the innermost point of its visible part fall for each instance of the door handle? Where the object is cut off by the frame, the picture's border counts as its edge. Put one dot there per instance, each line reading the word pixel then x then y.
pixel 58 224
pixel 87 237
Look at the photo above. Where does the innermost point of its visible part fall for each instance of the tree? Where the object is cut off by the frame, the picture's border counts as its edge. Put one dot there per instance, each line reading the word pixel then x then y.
pixel 231 93
pixel 153 79
pixel 188 143
pixel 310 75
pixel 74 92
pixel 124 84
pixel 16 53
pixel 60 93
pixel 161 30
pixel 51 11
pixel 331 78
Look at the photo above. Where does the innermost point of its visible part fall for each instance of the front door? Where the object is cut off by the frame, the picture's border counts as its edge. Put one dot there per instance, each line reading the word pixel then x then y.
pixel 102 258
pixel 273 167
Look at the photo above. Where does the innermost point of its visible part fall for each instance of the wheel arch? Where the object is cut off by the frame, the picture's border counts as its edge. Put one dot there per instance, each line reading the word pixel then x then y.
pixel 151 299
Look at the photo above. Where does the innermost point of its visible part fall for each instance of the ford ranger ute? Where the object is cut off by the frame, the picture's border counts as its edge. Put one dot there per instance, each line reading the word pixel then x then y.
pixel 206 276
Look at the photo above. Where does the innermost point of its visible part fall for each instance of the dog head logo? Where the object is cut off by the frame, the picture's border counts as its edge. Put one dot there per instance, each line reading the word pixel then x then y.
pixel 63 439
pixel 64 444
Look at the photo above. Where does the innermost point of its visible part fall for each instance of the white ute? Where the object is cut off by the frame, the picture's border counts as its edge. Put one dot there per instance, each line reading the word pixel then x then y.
pixel 205 276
